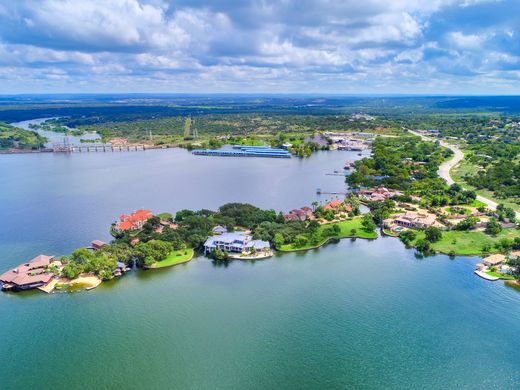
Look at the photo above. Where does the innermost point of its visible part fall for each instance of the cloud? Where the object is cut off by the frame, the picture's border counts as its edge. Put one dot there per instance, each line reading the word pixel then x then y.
pixel 257 45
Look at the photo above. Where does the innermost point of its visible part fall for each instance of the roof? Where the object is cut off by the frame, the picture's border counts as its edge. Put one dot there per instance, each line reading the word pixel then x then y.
pixel 228 238
pixel 40 261
pixel 26 279
pixel 259 244
pixel 335 204
pixel 98 243
pixel 125 225
pixel 494 259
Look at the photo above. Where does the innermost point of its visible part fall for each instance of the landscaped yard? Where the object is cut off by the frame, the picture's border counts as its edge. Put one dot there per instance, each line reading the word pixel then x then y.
pixel 468 243
pixel 346 228
pixel 501 276
pixel 174 258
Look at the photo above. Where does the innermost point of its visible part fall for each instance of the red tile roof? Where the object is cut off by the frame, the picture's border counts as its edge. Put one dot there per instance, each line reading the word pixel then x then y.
pixel 126 225
pixel 333 205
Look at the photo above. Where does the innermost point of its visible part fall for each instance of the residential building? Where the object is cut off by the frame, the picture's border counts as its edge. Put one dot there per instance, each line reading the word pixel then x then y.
pixel 219 229
pixel 303 214
pixel 494 260
pixel 415 220
pixel 239 242
pixel 133 221
pixel 337 206
pixel 97 244
pixel 30 275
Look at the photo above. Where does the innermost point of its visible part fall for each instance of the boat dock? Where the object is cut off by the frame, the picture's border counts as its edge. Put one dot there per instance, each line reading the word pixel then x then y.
pixel 483 275
pixel 244 151
pixel 320 192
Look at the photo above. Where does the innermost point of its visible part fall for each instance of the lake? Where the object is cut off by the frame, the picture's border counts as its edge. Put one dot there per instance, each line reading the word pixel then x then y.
pixel 357 314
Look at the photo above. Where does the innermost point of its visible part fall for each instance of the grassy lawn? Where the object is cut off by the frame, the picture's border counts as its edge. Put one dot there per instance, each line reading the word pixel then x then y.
pixel 501 276
pixel 174 258
pixel 468 243
pixel 345 226
pixel 463 168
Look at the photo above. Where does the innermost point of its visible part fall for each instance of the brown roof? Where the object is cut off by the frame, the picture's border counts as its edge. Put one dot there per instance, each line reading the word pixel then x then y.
pixel 494 259
pixel 22 280
pixel 40 261
pixel 98 243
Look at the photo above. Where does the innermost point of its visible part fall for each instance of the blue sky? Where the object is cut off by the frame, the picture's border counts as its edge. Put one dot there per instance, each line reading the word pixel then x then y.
pixel 320 46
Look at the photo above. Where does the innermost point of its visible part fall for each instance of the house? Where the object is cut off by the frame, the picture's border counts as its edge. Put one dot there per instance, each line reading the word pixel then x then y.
pixel 239 242
pixel 514 255
pixel 30 275
pixel 120 269
pixel 219 230
pixel 97 244
pixel 415 220
pixel 133 221
pixel 302 214
pixel 494 260
pixel 378 194
pixel 334 205
pixel 337 206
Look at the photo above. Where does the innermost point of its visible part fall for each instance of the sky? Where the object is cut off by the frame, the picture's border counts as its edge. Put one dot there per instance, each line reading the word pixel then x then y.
pixel 247 46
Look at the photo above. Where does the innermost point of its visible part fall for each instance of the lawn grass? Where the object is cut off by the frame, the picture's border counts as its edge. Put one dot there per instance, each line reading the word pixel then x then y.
pixel 345 226
pixel 468 243
pixel 501 276
pixel 174 258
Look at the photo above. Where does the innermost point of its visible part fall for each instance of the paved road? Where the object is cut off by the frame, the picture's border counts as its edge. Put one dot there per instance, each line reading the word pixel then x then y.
pixel 444 169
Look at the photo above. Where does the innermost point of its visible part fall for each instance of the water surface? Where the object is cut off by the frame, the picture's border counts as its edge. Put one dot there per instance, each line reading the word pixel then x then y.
pixel 358 314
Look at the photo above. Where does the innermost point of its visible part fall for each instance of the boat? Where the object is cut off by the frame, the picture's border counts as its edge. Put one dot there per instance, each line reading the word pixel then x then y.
pixel 483 275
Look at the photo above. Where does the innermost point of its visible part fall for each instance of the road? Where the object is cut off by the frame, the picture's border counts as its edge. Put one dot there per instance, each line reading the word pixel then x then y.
pixel 444 169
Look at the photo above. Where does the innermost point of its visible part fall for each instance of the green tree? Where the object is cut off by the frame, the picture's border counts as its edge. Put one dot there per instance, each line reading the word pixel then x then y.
pixel 278 240
pixel 368 223
pixel 433 234
pixel 493 227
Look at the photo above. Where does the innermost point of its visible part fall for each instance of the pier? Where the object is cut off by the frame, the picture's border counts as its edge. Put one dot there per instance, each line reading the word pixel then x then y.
pixel 244 151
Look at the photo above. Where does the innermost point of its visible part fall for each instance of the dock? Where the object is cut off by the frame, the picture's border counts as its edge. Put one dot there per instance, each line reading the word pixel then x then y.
pixel 483 275
pixel 244 151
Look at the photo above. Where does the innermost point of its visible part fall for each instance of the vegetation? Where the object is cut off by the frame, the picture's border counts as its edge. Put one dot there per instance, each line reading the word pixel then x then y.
pixel 85 261
pixel 410 165
pixel 324 233
pixel 16 138
pixel 175 257
pixel 462 243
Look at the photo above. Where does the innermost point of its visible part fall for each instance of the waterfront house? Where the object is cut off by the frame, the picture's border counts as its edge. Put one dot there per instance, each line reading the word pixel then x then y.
pixel 303 214
pixel 337 206
pixel 238 242
pixel 97 244
pixel 415 220
pixel 133 221
pixel 378 194
pixel 30 275
pixel 494 260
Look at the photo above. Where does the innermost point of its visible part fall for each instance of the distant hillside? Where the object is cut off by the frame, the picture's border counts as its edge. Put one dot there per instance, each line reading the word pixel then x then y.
pixel 14 137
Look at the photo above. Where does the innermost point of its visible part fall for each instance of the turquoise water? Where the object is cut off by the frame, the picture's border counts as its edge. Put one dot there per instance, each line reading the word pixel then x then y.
pixel 357 314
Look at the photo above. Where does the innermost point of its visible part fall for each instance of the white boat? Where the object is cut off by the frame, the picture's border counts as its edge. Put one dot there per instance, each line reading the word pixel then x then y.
pixel 483 275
